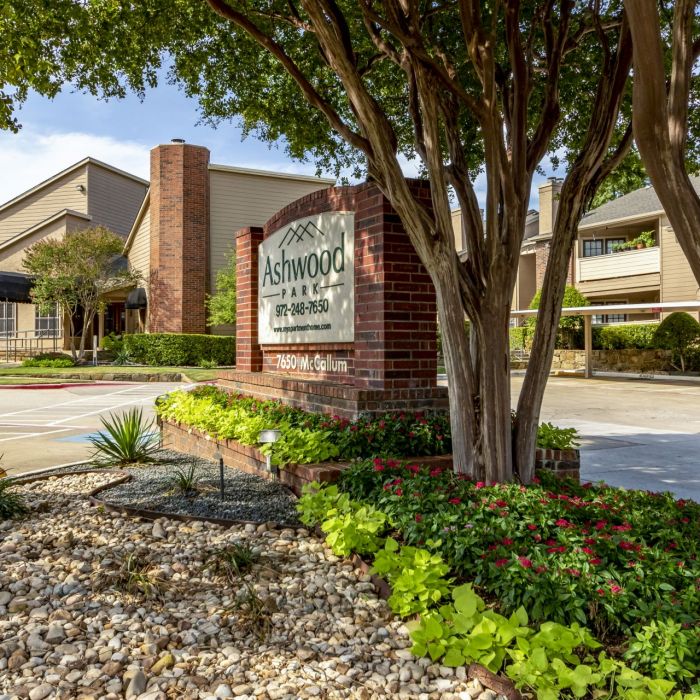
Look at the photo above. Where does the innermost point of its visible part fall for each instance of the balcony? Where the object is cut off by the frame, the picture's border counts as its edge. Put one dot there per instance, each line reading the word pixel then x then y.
pixel 625 264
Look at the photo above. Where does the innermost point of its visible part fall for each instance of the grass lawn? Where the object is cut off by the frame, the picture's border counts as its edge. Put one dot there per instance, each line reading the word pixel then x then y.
pixel 8 381
pixel 196 374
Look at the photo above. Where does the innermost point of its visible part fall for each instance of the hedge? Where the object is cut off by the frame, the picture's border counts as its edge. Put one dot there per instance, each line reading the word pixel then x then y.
pixel 639 336
pixel 180 349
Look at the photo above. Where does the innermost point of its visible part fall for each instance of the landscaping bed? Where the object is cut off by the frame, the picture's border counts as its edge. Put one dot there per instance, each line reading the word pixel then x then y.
pixel 97 605
pixel 572 591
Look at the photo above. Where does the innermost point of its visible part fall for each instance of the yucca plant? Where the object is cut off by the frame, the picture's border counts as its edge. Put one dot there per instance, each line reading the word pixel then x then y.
pixel 11 503
pixel 128 438
pixel 185 481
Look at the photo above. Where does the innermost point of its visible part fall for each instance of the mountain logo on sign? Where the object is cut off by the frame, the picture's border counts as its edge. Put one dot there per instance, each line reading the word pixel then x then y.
pixel 296 234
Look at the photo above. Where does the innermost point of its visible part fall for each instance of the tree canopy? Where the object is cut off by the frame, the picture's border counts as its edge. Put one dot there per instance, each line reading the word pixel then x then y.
pixel 74 273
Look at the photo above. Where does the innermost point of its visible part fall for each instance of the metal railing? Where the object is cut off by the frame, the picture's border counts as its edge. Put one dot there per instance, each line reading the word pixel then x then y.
pixel 23 344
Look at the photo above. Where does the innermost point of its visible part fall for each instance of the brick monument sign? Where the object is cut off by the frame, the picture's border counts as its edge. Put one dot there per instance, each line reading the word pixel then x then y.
pixel 335 311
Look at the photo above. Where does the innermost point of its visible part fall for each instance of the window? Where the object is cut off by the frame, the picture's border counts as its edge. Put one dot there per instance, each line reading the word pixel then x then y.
pixel 610 318
pixel 592 247
pixel 7 319
pixel 610 242
pixel 46 323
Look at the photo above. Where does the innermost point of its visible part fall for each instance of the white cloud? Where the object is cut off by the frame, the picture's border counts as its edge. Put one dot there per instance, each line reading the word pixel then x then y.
pixel 32 155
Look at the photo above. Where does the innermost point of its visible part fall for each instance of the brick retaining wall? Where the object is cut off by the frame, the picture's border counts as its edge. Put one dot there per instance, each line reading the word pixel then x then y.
pixel 249 459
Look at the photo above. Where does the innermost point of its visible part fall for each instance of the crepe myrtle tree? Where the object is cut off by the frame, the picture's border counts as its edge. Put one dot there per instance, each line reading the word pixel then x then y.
pixel 469 88
pixel 74 273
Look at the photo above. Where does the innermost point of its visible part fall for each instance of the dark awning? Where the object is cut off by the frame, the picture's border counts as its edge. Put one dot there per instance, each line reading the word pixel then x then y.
pixel 15 286
pixel 136 299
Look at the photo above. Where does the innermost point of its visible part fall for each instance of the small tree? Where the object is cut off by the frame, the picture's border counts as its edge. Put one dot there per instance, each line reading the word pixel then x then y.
pixel 75 273
pixel 221 306
pixel 677 332
pixel 569 326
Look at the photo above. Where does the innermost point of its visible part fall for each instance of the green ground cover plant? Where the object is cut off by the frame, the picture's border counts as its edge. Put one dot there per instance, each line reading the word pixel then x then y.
pixel 533 543
pixel 306 437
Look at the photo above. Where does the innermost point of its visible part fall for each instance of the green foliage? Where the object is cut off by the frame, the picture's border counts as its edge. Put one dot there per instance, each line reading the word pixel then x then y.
pixel 630 175
pixel 221 306
pixel 180 349
pixel 316 502
pixel 11 502
pixel 357 529
pixel 664 649
pixel 48 359
pixel 305 437
pixel 569 326
pixel 520 337
pixel 208 364
pixel 416 576
pixel 638 336
pixel 128 438
pixel 184 481
pixel 554 438
pixel 678 332
pixel 595 555
pixel 75 273
pixel 113 343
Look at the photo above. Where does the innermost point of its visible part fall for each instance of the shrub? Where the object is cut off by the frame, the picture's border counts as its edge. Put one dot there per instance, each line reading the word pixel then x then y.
pixel 520 337
pixel 306 437
pixel 49 359
pixel 678 332
pixel 11 503
pixel 128 439
pixel 570 327
pixel 595 555
pixel 113 343
pixel 551 437
pixel 635 336
pixel 180 349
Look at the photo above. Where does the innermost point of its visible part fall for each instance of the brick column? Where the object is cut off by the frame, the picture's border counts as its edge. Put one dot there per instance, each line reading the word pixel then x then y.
pixel 179 238
pixel 248 354
pixel 395 307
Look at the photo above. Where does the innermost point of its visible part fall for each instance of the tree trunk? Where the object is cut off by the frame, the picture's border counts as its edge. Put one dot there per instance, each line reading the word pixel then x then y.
pixel 455 344
pixel 542 352
pixel 660 117
pixel 494 425
pixel 87 320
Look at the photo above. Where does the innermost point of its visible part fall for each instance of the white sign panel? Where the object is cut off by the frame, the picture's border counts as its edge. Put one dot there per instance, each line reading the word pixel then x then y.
pixel 306 281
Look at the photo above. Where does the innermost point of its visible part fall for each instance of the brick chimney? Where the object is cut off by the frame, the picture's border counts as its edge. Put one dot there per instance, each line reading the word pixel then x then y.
pixel 179 238
pixel 549 203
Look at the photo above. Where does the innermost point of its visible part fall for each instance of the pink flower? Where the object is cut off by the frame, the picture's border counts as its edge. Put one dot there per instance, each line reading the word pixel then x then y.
pixel 455 501
pixel 501 562
pixel 379 467
pixel 531 527
pixel 595 561
pixel 479 485
pixel 562 522
pixel 601 524
pixel 413 468
pixel 587 550
pixel 615 589
pixel 525 562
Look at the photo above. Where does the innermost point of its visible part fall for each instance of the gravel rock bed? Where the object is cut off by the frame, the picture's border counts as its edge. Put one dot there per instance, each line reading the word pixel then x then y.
pixel 247 497
pixel 70 629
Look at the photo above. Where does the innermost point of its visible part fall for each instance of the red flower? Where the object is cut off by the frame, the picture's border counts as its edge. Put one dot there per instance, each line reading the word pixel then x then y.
pixel 411 434
pixel 540 569
pixel 379 467
pixel 479 485
pixel 413 468
pixel 573 572
pixel 435 472
pixel 600 591
pixel 595 561
pixel 525 562
pixel 419 517
pixel 501 504
pixel 455 501
pixel 562 522
pixel 615 589
pixel 531 527
pixel 587 550
pixel 626 545
pixel 550 542
pixel 382 424
pixel 392 463
pixel 622 528
pixel 556 550
pixel 501 562
pixel 600 525
pixel 399 492
pixel 506 541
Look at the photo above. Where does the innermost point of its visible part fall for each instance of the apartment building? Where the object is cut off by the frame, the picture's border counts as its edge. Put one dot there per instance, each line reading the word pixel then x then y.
pixel 178 231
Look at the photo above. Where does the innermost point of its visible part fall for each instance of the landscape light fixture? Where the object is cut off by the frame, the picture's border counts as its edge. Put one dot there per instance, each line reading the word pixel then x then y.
pixel 269 437
pixel 220 458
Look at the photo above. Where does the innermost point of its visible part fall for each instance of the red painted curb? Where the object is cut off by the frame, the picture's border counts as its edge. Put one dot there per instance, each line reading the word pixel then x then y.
pixel 61 386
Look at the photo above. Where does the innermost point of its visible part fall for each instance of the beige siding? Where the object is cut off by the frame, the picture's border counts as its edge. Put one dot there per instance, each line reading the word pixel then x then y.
pixel 677 280
pixel 242 199
pixel 140 251
pixel 41 205
pixel 12 257
pixel 621 285
pixel 113 199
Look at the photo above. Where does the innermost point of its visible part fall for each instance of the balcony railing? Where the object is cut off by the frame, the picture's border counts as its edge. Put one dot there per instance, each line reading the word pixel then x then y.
pixel 624 264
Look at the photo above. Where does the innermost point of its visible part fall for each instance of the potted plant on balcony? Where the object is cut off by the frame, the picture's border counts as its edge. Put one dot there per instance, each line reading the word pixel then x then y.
pixel 645 240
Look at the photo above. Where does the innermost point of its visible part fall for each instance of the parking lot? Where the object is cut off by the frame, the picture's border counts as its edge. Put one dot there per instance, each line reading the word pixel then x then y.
pixel 641 434
pixel 42 427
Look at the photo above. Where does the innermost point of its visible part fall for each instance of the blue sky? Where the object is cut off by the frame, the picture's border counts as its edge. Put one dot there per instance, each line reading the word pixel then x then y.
pixel 57 133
